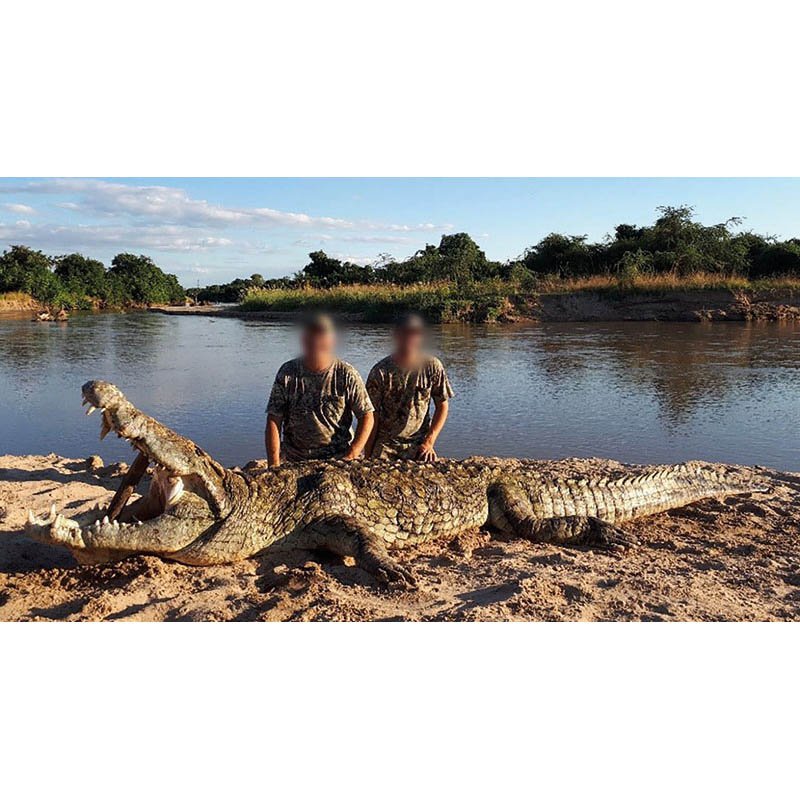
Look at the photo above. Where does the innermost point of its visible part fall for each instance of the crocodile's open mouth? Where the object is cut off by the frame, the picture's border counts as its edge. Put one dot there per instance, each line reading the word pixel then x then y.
pixel 166 487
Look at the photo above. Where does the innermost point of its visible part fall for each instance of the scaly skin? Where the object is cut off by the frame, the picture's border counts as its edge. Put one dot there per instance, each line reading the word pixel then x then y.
pixel 355 508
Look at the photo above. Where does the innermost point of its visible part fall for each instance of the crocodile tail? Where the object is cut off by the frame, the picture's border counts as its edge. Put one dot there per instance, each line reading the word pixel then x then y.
pixel 657 490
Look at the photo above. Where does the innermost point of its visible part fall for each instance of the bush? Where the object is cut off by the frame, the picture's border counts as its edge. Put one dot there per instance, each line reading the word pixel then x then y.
pixel 524 278
pixel 777 258
pixel 631 267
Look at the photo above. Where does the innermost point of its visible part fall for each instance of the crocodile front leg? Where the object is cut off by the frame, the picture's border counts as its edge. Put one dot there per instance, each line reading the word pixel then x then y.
pixel 347 536
pixel 511 511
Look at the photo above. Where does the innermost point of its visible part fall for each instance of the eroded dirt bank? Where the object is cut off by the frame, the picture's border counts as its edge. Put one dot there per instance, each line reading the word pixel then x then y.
pixel 732 560
pixel 695 306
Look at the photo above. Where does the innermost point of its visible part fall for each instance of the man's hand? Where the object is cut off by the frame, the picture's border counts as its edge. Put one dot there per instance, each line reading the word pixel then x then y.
pixel 426 451
pixel 363 430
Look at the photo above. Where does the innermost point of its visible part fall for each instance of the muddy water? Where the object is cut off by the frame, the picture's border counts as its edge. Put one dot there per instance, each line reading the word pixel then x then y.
pixel 637 392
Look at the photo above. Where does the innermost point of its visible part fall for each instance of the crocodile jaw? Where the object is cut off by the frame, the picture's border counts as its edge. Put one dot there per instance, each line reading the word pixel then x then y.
pixel 177 456
pixel 60 530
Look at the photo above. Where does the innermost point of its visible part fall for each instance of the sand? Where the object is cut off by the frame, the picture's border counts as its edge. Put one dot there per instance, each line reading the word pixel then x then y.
pixel 732 560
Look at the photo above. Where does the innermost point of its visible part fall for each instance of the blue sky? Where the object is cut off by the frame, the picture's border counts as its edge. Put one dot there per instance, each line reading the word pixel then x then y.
pixel 215 229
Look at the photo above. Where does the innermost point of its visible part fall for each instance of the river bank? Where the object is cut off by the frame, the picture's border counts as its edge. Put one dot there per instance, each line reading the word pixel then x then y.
pixel 709 305
pixel 18 301
pixel 14 304
pixel 732 560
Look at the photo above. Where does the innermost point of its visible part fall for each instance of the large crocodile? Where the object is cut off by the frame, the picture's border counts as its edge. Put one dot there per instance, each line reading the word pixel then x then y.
pixel 198 512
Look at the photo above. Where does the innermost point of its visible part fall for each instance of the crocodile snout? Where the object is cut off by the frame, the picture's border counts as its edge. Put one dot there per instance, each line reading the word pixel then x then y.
pixel 102 394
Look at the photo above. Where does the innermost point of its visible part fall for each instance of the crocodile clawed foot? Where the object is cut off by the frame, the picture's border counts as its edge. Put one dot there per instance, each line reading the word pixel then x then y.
pixel 393 575
pixel 605 536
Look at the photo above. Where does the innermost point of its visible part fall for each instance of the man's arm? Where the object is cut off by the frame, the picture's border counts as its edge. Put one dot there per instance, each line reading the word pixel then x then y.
pixel 426 451
pixel 363 431
pixel 277 409
pixel 374 387
pixel 272 440
pixel 370 445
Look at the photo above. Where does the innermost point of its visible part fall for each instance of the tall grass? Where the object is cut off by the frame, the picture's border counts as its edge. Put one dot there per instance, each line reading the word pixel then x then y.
pixel 668 282
pixel 438 302
pixel 17 301
pixel 492 300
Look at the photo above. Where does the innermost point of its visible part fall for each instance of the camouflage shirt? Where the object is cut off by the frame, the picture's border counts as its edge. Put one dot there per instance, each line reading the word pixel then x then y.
pixel 402 401
pixel 317 408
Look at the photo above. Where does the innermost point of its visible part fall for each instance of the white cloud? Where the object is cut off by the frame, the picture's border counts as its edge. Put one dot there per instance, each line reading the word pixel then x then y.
pixel 174 238
pixel 360 260
pixel 174 206
pixel 19 208
pixel 363 239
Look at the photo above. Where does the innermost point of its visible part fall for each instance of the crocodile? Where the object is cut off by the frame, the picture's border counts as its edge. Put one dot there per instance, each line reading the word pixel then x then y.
pixel 199 512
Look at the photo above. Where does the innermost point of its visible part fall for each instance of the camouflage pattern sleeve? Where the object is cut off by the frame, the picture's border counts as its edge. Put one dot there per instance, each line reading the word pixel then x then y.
pixel 278 399
pixel 375 387
pixel 440 385
pixel 357 397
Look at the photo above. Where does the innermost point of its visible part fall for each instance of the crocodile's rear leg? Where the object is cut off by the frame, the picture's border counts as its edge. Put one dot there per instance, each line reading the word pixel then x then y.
pixel 510 511
pixel 346 536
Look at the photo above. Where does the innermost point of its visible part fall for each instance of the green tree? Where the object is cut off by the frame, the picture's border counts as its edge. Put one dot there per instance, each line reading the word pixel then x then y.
pixel 137 279
pixel 25 270
pixel 81 276
pixel 323 270
pixel 326 271
pixel 777 258
pixel 424 265
pixel 461 260
pixel 561 255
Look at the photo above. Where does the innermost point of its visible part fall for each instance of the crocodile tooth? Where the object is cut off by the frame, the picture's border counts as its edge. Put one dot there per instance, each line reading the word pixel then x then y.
pixel 84 401
pixel 116 524
pixel 91 410
pixel 105 520
pixel 97 524
pixel 31 517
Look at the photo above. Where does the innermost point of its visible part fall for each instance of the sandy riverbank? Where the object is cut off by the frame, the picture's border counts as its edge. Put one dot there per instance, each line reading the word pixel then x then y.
pixel 732 560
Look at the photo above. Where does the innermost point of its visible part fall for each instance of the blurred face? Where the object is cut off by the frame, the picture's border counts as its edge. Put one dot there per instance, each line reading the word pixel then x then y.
pixel 318 345
pixel 408 342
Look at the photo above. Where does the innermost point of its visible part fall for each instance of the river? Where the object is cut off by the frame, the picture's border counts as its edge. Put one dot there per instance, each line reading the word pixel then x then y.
pixel 645 392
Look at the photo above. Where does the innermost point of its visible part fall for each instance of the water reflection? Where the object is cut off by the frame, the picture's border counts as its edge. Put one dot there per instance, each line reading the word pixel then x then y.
pixel 633 391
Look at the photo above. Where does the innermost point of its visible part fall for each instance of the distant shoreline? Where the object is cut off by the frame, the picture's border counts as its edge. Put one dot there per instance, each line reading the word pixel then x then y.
pixel 713 305
pixel 585 305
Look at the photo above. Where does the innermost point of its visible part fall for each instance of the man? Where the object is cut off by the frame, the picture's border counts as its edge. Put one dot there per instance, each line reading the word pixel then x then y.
pixel 314 399
pixel 401 387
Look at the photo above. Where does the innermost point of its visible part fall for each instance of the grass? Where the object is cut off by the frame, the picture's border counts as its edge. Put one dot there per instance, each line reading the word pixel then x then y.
pixel 17 301
pixel 490 301
pixel 438 302
pixel 669 282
